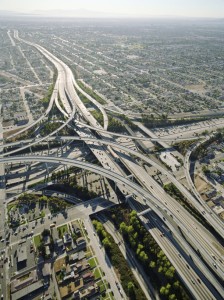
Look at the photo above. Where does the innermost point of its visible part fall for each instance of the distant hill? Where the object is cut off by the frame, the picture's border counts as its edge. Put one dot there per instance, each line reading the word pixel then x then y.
pixel 80 13
pixel 11 13
pixel 83 13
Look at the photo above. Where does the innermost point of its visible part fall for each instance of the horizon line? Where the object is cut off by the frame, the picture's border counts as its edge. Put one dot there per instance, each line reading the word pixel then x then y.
pixel 44 13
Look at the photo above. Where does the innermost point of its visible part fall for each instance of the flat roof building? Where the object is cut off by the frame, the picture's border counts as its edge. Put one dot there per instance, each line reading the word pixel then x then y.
pixel 27 290
pixel 22 254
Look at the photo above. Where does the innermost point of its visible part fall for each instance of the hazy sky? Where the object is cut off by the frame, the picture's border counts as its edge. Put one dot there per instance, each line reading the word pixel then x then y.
pixel 193 8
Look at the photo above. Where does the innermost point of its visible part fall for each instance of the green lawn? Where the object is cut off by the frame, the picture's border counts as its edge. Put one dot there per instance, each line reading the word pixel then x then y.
pixel 106 284
pixel 63 229
pixel 96 274
pixel 101 285
pixel 88 254
pixel 107 296
pixel 111 295
pixel 37 240
pixel 92 261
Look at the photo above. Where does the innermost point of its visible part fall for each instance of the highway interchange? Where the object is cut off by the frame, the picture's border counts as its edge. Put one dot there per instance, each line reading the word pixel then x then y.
pixel 169 213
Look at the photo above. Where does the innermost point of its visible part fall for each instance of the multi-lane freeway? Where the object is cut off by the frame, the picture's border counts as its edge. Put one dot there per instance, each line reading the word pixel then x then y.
pixel 133 188
pixel 211 218
pixel 104 147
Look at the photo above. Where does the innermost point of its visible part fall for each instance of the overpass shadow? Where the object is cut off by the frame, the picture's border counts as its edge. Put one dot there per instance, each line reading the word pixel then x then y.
pixel 99 202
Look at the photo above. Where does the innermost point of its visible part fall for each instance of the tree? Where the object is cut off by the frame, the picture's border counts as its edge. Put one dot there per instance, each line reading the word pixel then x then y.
pixel 131 290
pixel 139 249
pixel 133 213
pixel 41 249
pixel 45 232
pixel 135 235
pixel 162 290
pixel 43 198
pixel 123 228
pixel 104 233
pixel 170 272
pixel 165 290
pixel 168 286
pixel 135 222
pixel 130 229
pixel 143 256
pixel 161 254
pixel 152 264
pixel 205 170
pixel 98 226
pixel 132 241
pixel 106 243
pixel 160 269
pixel 176 285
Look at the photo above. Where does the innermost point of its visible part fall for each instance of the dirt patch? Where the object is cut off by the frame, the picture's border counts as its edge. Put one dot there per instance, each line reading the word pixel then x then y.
pixel 11 132
pixel 199 88
pixel 201 185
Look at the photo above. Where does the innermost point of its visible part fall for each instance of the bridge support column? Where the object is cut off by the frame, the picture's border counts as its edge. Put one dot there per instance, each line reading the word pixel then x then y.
pixel 47 167
pixel 127 197
pixel 27 167
pixel 65 171
pixel 115 187
pixel 61 149
pixel 47 175
pixel 48 147
pixel 7 169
